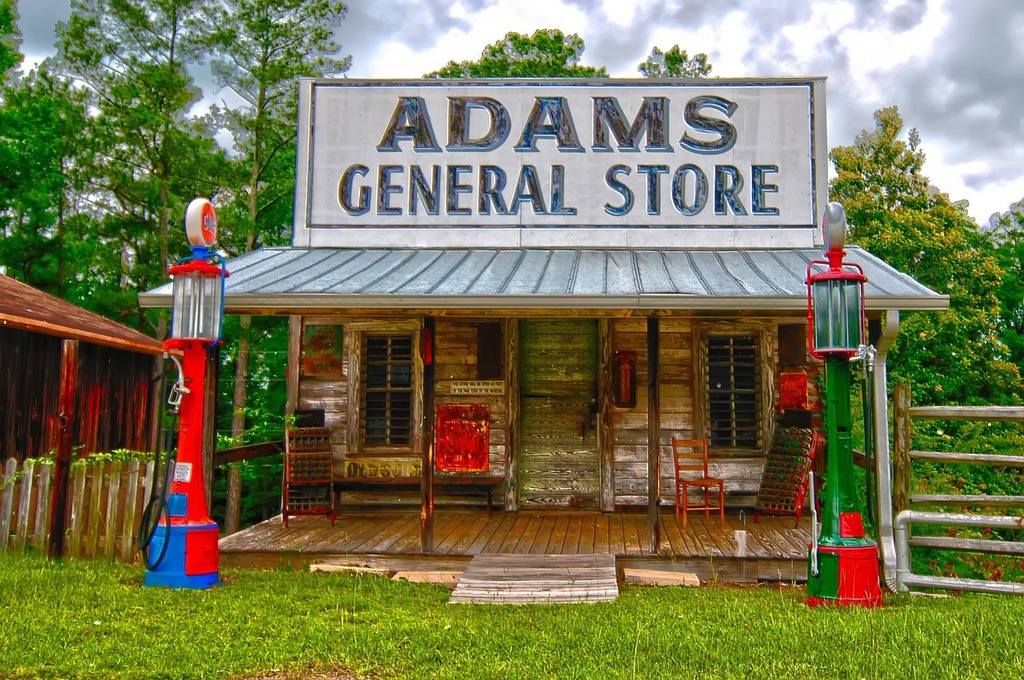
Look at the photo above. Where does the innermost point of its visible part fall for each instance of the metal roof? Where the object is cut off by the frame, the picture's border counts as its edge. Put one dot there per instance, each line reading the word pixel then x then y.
pixel 285 278
pixel 30 309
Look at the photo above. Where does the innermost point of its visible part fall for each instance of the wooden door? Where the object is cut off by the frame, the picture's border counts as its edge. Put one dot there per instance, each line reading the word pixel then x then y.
pixel 558 463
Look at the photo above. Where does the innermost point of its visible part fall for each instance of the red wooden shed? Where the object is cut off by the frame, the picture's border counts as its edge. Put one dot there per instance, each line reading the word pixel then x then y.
pixel 112 395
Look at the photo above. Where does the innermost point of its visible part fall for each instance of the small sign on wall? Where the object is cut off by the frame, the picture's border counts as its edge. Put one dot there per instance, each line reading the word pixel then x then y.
pixel 463 438
pixel 473 387
pixel 322 351
pixel 792 391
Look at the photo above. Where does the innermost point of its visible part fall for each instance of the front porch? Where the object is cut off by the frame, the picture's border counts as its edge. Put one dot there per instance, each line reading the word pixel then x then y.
pixel 390 539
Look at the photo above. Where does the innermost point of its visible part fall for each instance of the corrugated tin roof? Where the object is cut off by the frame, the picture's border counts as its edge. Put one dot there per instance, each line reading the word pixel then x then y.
pixel 27 308
pixel 537 278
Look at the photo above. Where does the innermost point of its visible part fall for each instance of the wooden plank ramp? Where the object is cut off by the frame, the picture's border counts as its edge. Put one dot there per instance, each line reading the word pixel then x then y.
pixel 524 579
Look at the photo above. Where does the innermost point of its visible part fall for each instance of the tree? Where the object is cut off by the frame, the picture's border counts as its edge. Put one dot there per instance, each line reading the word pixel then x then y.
pixel 262 48
pixel 10 38
pixel 132 57
pixel 950 357
pixel 675 63
pixel 44 143
pixel 548 53
pixel 1008 236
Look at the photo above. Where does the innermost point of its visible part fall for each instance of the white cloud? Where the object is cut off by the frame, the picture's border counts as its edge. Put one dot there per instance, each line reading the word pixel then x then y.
pixel 952 66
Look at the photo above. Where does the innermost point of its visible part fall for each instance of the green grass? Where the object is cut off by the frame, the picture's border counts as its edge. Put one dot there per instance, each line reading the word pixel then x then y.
pixel 93 619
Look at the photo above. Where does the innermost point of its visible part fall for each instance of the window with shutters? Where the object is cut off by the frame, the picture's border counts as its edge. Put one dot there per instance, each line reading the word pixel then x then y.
pixel 386 395
pixel 734 394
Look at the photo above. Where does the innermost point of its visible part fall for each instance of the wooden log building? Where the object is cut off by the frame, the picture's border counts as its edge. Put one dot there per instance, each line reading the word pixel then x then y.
pixel 537 284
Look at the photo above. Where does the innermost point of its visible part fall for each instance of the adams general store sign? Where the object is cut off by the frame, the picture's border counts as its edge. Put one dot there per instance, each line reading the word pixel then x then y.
pixel 560 162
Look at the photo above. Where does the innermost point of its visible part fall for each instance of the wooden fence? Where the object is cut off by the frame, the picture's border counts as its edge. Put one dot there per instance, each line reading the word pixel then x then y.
pixel 105 504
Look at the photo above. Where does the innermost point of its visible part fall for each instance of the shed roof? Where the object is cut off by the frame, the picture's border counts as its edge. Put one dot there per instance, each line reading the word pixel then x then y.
pixel 283 278
pixel 30 309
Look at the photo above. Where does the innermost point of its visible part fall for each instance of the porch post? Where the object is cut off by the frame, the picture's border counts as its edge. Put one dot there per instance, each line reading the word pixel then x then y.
pixel 427 480
pixel 653 437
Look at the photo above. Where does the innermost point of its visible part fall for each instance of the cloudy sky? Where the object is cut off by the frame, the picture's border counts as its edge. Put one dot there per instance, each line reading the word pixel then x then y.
pixel 955 68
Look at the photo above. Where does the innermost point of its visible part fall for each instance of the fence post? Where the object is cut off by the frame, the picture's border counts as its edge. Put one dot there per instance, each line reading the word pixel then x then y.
pixel 77 510
pixel 131 499
pixel 113 509
pixel 24 504
pixel 62 456
pixel 901 447
pixel 39 533
pixel 7 501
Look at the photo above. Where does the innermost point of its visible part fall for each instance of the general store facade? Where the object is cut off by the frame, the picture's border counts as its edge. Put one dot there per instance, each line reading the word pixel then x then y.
pixel 539 283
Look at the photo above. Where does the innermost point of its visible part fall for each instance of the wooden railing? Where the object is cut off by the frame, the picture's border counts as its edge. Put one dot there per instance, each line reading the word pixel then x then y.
pixel 236 455
pixel 105 505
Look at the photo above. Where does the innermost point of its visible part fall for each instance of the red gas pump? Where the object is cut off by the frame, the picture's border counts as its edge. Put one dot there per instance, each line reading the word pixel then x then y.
pixel 185 542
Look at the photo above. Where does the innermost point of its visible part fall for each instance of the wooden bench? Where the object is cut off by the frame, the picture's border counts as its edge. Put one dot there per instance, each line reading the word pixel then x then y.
pixel 449 485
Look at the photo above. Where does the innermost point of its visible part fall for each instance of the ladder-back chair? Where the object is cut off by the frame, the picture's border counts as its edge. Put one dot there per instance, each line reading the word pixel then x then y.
pixel 691 469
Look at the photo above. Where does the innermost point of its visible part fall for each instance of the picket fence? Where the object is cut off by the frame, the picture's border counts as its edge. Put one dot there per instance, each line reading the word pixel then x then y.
pixel 104 508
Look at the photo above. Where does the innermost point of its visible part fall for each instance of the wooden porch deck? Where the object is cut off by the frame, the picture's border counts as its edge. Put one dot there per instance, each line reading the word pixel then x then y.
pixel 390 539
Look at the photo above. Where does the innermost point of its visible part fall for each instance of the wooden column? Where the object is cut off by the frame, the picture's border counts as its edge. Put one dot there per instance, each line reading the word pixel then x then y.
pixel 653 437
pixel 62 459
pixel 901 448
pixel 512 407
pixel 605 434
pixel 428 352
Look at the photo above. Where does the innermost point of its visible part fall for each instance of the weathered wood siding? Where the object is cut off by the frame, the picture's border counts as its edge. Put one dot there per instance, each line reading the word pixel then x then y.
pixel 326 393
pixel 558 455
pixel 682 408
pixel 455 359
pixel 629 425
pixel 112 397
pixel 546 437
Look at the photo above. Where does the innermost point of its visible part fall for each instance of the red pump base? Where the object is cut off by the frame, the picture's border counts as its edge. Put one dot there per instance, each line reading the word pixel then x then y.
pixel 847 576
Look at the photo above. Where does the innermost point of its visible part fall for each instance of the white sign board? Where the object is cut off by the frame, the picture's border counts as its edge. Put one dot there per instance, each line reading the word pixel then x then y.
pixel 473 162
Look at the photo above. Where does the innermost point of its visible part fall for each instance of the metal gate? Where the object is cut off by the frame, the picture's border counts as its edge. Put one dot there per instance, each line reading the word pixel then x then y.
pixel 907 517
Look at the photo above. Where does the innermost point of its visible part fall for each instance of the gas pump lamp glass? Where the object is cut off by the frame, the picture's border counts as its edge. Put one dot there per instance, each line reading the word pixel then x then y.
pixel 196 301
pixel 837 310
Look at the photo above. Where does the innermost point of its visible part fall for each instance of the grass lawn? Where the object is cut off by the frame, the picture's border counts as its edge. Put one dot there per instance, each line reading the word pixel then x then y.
pixel 93 619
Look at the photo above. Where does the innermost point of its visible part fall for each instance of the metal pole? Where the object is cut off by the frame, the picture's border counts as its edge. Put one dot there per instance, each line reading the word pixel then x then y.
pixel 883 463
pixel 905 579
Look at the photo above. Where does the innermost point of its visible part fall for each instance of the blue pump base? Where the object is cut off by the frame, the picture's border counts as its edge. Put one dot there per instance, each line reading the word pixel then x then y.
pixel 191 560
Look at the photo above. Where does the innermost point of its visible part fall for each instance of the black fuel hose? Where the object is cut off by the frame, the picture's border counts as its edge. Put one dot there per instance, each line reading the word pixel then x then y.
pixel 150 522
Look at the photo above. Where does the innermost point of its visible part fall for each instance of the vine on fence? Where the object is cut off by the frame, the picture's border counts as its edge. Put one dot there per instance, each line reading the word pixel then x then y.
pixel 88 460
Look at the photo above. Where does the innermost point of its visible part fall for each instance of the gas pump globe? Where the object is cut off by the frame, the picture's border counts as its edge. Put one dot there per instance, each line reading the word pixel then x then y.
pixel 843 562
pixel 185 542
